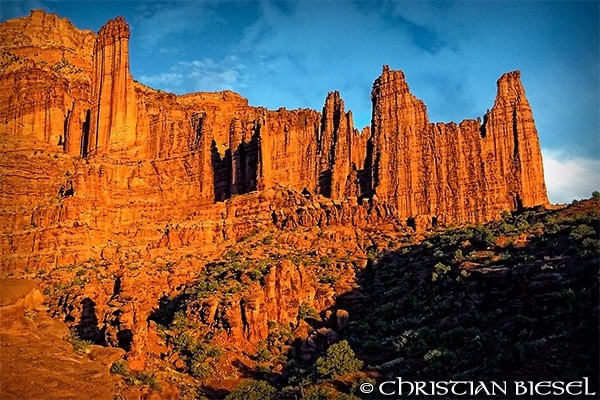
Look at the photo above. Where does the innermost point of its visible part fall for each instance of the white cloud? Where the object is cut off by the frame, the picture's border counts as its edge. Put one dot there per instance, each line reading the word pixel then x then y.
pixel 569 178
pixel 167 80
pixel 206 75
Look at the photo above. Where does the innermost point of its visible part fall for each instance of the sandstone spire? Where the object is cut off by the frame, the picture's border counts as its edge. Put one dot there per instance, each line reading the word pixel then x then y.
pixel 512 151
pixel 398 119
pixel 333 143
pixel 114 115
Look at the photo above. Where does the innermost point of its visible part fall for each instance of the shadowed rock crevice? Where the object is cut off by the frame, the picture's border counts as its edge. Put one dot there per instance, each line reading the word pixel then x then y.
pixel 87 326
pixel 125 338
pixel 85 135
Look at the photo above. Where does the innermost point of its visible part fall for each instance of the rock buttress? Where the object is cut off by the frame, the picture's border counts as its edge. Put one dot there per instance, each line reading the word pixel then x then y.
pixel 335 143
pixel 455 173
pixel 398 120
pixel 511 150
pixel 114 114
pixel 44 82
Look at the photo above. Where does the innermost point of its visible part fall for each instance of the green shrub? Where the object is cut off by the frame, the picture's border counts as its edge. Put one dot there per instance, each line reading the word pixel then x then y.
pixel 206 288
pixel 149 379
pixel 252 390
pixel 481 235
pixel 307 311
pixel 79 345
pixel 143 378
pixel 431 354
pixel 201 362
pixel 263 354
pixel 551 228
pixel 325 261
pixel 255 274
pixel 440 270
pixel 339 360
pixel 458 255
pixel 438 254
pixel 327 278
pixel 590 247
pixel 326 393
pixel 267 240
pixel 581 231
pixel 200 369
pixel 320 393
pixel 119 367
pixel 596 195
pixel 507 228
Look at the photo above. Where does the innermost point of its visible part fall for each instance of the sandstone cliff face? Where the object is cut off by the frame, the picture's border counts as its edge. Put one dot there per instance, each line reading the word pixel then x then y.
pixel 102 172
pixel 46 65
pixel 111 159
pixel 452 173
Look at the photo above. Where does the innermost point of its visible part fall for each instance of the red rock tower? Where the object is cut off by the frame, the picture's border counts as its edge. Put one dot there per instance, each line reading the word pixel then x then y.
pixel 511 150
pixel 114 114
pixel 455 173
pixel 398 120
pixel 334 147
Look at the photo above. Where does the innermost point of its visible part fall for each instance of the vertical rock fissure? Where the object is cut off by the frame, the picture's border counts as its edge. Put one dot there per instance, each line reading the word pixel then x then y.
pixel 85 135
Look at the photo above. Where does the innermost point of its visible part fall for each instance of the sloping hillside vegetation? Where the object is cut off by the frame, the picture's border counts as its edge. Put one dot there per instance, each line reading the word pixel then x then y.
pixel 515 299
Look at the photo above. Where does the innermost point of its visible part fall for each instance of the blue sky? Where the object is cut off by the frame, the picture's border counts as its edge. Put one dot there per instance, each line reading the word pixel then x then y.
pixel 291 54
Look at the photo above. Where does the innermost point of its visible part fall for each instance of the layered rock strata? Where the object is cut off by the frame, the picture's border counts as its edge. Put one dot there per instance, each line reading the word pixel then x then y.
pixel 90 157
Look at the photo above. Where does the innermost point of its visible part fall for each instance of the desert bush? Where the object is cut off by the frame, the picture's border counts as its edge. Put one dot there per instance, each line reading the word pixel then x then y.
pixel 200 369
pixel 79 345
pixel 581 231
pixel 339 360
pixel 201 359
pixel 326 393
pixel 551 228
pixel 431 354
pixel 458 255
pixel 440 270
pixel 325 261
pixel 143 378
pixel 206 288
pixel 255 274
pixel 590 247
pixel 482 235
pixel 306 310
pixel 263 354
pixel 252 390
pixel 320 393
pixel 438 253
pixel 327 278
pixel 119 367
